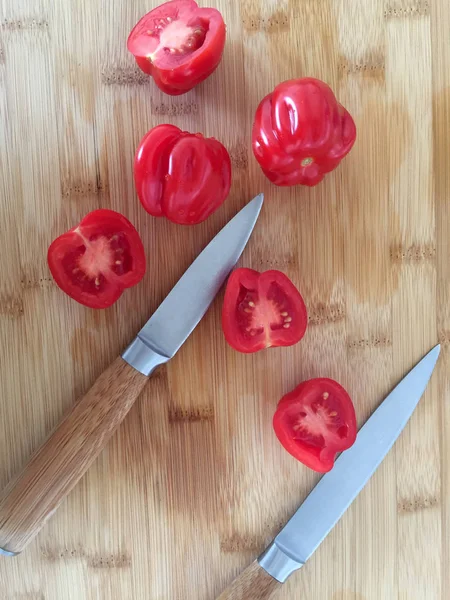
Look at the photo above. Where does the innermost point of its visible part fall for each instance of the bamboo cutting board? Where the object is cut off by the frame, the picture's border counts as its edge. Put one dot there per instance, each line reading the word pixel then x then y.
pixel 194 485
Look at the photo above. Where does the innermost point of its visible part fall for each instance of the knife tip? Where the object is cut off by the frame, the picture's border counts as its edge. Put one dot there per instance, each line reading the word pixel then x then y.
pixel 257 202
pixel 436 351
pixel 430 359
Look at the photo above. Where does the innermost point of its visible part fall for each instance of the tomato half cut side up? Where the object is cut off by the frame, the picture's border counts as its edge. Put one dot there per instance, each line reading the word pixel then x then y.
pixel 94 262
pixel 178 44
pixel 316 421
pixel 261 310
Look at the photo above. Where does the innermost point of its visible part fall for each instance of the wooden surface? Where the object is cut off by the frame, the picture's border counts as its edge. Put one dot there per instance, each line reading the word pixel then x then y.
pixel 194 484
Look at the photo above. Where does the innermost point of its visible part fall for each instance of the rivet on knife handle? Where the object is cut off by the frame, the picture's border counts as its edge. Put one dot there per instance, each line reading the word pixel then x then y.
pixel 63 459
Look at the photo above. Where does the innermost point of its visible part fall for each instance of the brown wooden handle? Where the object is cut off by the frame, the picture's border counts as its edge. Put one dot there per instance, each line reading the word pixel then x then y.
pixel 252 584
pixel 31 498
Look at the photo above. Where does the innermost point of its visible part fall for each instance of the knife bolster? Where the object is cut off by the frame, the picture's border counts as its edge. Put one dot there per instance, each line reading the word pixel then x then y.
pixel 277 563
pixel 143 358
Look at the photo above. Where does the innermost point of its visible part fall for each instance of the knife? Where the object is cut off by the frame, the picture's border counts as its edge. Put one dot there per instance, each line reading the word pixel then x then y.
pixel 334 493
pixel 31 498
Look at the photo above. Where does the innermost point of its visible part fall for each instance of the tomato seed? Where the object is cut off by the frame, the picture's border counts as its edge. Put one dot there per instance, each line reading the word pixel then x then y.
pixel 252 304
pixel 325 395
pixel 286 325
pixel 284 314
pixel 288 319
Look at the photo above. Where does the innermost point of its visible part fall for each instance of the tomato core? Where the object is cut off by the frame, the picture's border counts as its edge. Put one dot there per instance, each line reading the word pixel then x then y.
pixel 99 255
pixel 175 37
pixel 257 316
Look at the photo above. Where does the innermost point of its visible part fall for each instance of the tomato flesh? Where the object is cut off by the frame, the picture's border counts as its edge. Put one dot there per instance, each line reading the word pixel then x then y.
pixel 179 44
pixel 262 310
pixel 95 261
pixel 315 421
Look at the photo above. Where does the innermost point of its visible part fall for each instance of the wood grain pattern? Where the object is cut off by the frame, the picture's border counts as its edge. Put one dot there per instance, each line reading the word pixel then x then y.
pixel 194 484
pixel 252 584
pixel 35 494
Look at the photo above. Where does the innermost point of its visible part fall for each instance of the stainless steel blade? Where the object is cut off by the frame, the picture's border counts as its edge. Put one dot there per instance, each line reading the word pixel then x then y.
pixel 337 489
pixel 182 309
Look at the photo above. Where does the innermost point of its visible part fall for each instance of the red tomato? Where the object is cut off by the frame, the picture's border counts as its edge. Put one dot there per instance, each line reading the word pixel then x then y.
pixel 179 44
pixel 301 132
pixel 182 176
pixel 315 421
pixel 95 261
pixel 262 310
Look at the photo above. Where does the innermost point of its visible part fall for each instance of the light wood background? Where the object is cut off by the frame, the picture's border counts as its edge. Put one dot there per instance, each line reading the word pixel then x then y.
pixel 195 484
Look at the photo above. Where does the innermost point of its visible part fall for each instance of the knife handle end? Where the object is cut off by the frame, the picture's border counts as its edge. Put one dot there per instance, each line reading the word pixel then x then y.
pixel 252 584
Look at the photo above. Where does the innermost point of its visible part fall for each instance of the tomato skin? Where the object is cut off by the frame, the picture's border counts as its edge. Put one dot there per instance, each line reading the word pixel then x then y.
pixel 321 404
pixel 262 310
pixel 178 72
pixel 96 260
pixel 182 176
pixel 301 132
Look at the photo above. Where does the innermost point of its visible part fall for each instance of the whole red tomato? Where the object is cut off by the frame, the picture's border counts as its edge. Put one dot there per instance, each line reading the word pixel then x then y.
pixel 301 132
pixel 96 260
pixel 261 310
pixel 182 176
pixel 316 421
pixel 178 44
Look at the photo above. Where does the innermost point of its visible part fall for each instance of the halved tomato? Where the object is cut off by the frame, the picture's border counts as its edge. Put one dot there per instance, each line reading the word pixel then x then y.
pixel 96 260
pixel 179 44
pixel 316 421
pixel 262 310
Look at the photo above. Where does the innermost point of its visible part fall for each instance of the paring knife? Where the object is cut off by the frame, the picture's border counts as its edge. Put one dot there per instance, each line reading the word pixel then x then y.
pixel 53 471
pixel 334 493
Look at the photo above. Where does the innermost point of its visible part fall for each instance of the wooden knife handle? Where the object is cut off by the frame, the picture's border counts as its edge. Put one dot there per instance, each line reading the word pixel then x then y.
pixel 31 498
pixel 252 584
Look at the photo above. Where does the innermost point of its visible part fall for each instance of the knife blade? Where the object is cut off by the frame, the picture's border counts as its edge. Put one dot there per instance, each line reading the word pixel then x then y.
pixel 34 495
pixel 168 327
pixel 334 493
